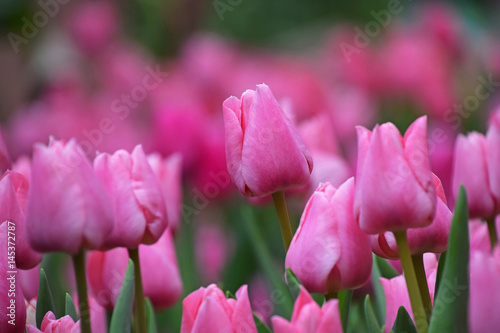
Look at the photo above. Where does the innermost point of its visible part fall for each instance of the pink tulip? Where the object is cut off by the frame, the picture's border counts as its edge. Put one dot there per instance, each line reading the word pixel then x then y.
pixel 98 320
pixel 52 325
pixel 309 317
pixel 479 238
pixel 67 208
pixel 4 156
pixel 328 251
pixel 168 171
pixel 396 292
pixel 13 196
pixel 433 238
pixel 105 272
pixel 493 160
pixel 29 281
pixel 136 198
pixel 264 152
pixel 484 293
pixel 207 310
pixel 211 249
pixel 31 312
pixel 470 169
pixel 394 186
pixel 13 316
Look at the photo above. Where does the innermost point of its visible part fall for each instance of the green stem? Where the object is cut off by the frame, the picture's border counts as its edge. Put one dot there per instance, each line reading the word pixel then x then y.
pixel 140 307
pixel 81 287
pixel 286 229
pixel 418 264
pixel 492 231
pixel 411 282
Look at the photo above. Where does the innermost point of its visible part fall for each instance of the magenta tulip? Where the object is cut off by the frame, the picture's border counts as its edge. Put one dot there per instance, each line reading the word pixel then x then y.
pixel 493 160
pixel 136 198
pixel 328 251
pixel 29 281
pixel 5 162
pixel 168 171
pixel 207 310
pixel 52 325
pixel 264 152
pixel 105 272
pixel 394 186
pixel 309 317
pixel 471 170
pixel 67 207
pixel 433 238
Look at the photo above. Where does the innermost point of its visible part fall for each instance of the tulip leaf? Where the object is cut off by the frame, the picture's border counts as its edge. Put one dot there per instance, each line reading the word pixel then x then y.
pixel 403 322
pixel 69 308
pixel 230 294
pixel 121 320
pixel 261 327
pixel 45 301
pixel 370 318
pixel 450 305
pixel 150 315
pixel 386 269
pixel 439 273
pixel 293 283
pixel 344 298
pixel 379 291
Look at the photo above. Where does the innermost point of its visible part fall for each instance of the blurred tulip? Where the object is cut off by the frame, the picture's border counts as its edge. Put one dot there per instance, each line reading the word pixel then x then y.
pixel 211 250
pixel 328 251
pixel 433 238
pixel 67 207
pixel 470 169
pixel 136 198
pixel 394 186
pixel 168 171
pixel 29 281
pixel 264 153
pixel 13 196
pixel 105 272
pixel 4 156
pixel 309 317
pixel 492 148
pixel 52 325
pixel 207 310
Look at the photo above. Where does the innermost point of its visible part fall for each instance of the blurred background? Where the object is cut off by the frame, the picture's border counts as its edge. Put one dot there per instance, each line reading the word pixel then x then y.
pixel 114 74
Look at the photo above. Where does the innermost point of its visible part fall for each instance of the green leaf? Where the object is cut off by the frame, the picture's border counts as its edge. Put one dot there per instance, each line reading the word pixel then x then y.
pixel 386 269
pixel 344 298
pixel 230 294
pixel 150 316
pixel 44 302
pixel 450 307
pixel 261 327
pixel 69 308
pixel 403 322
pixel 293 283
pixel 121 321
pixel 370 318
pixel 379 291
pixel 439 273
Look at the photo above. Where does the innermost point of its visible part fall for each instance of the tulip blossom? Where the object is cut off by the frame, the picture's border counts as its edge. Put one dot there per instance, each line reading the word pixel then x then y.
pixel 207 310
pixel 394 186
pixel 309 317
pixel 67 207
pixel 105 271
pixel 470 169
pixel 136 198
pixel 13 197
pixel 29 281
pixel 328 251
pixel 4 156
pixel 493 160
pixel 264 152
pixel 52 325
pixel 433 238
pixel 168 172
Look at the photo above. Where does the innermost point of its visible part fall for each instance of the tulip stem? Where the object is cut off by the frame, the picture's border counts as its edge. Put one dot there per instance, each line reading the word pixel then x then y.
pixel 418 264
pixel 286 228
pixel 492 231
pixel 417 305
pixel 81 286
pixel 140 306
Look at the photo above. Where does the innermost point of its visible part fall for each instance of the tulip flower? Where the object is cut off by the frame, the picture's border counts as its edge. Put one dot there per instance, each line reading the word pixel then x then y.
pixel 136 198
pixel 105 271
pixel 493 160
pixel 13 196
pixel 484 291
pixel 329 252
pixel 309 317
pixel 470 169
pixel 52 325
pixel 29 281
pixel 264 152
pixel 207 310
pixel 394 186
pixel 433 238
pixel 67 207
pixel 168 172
